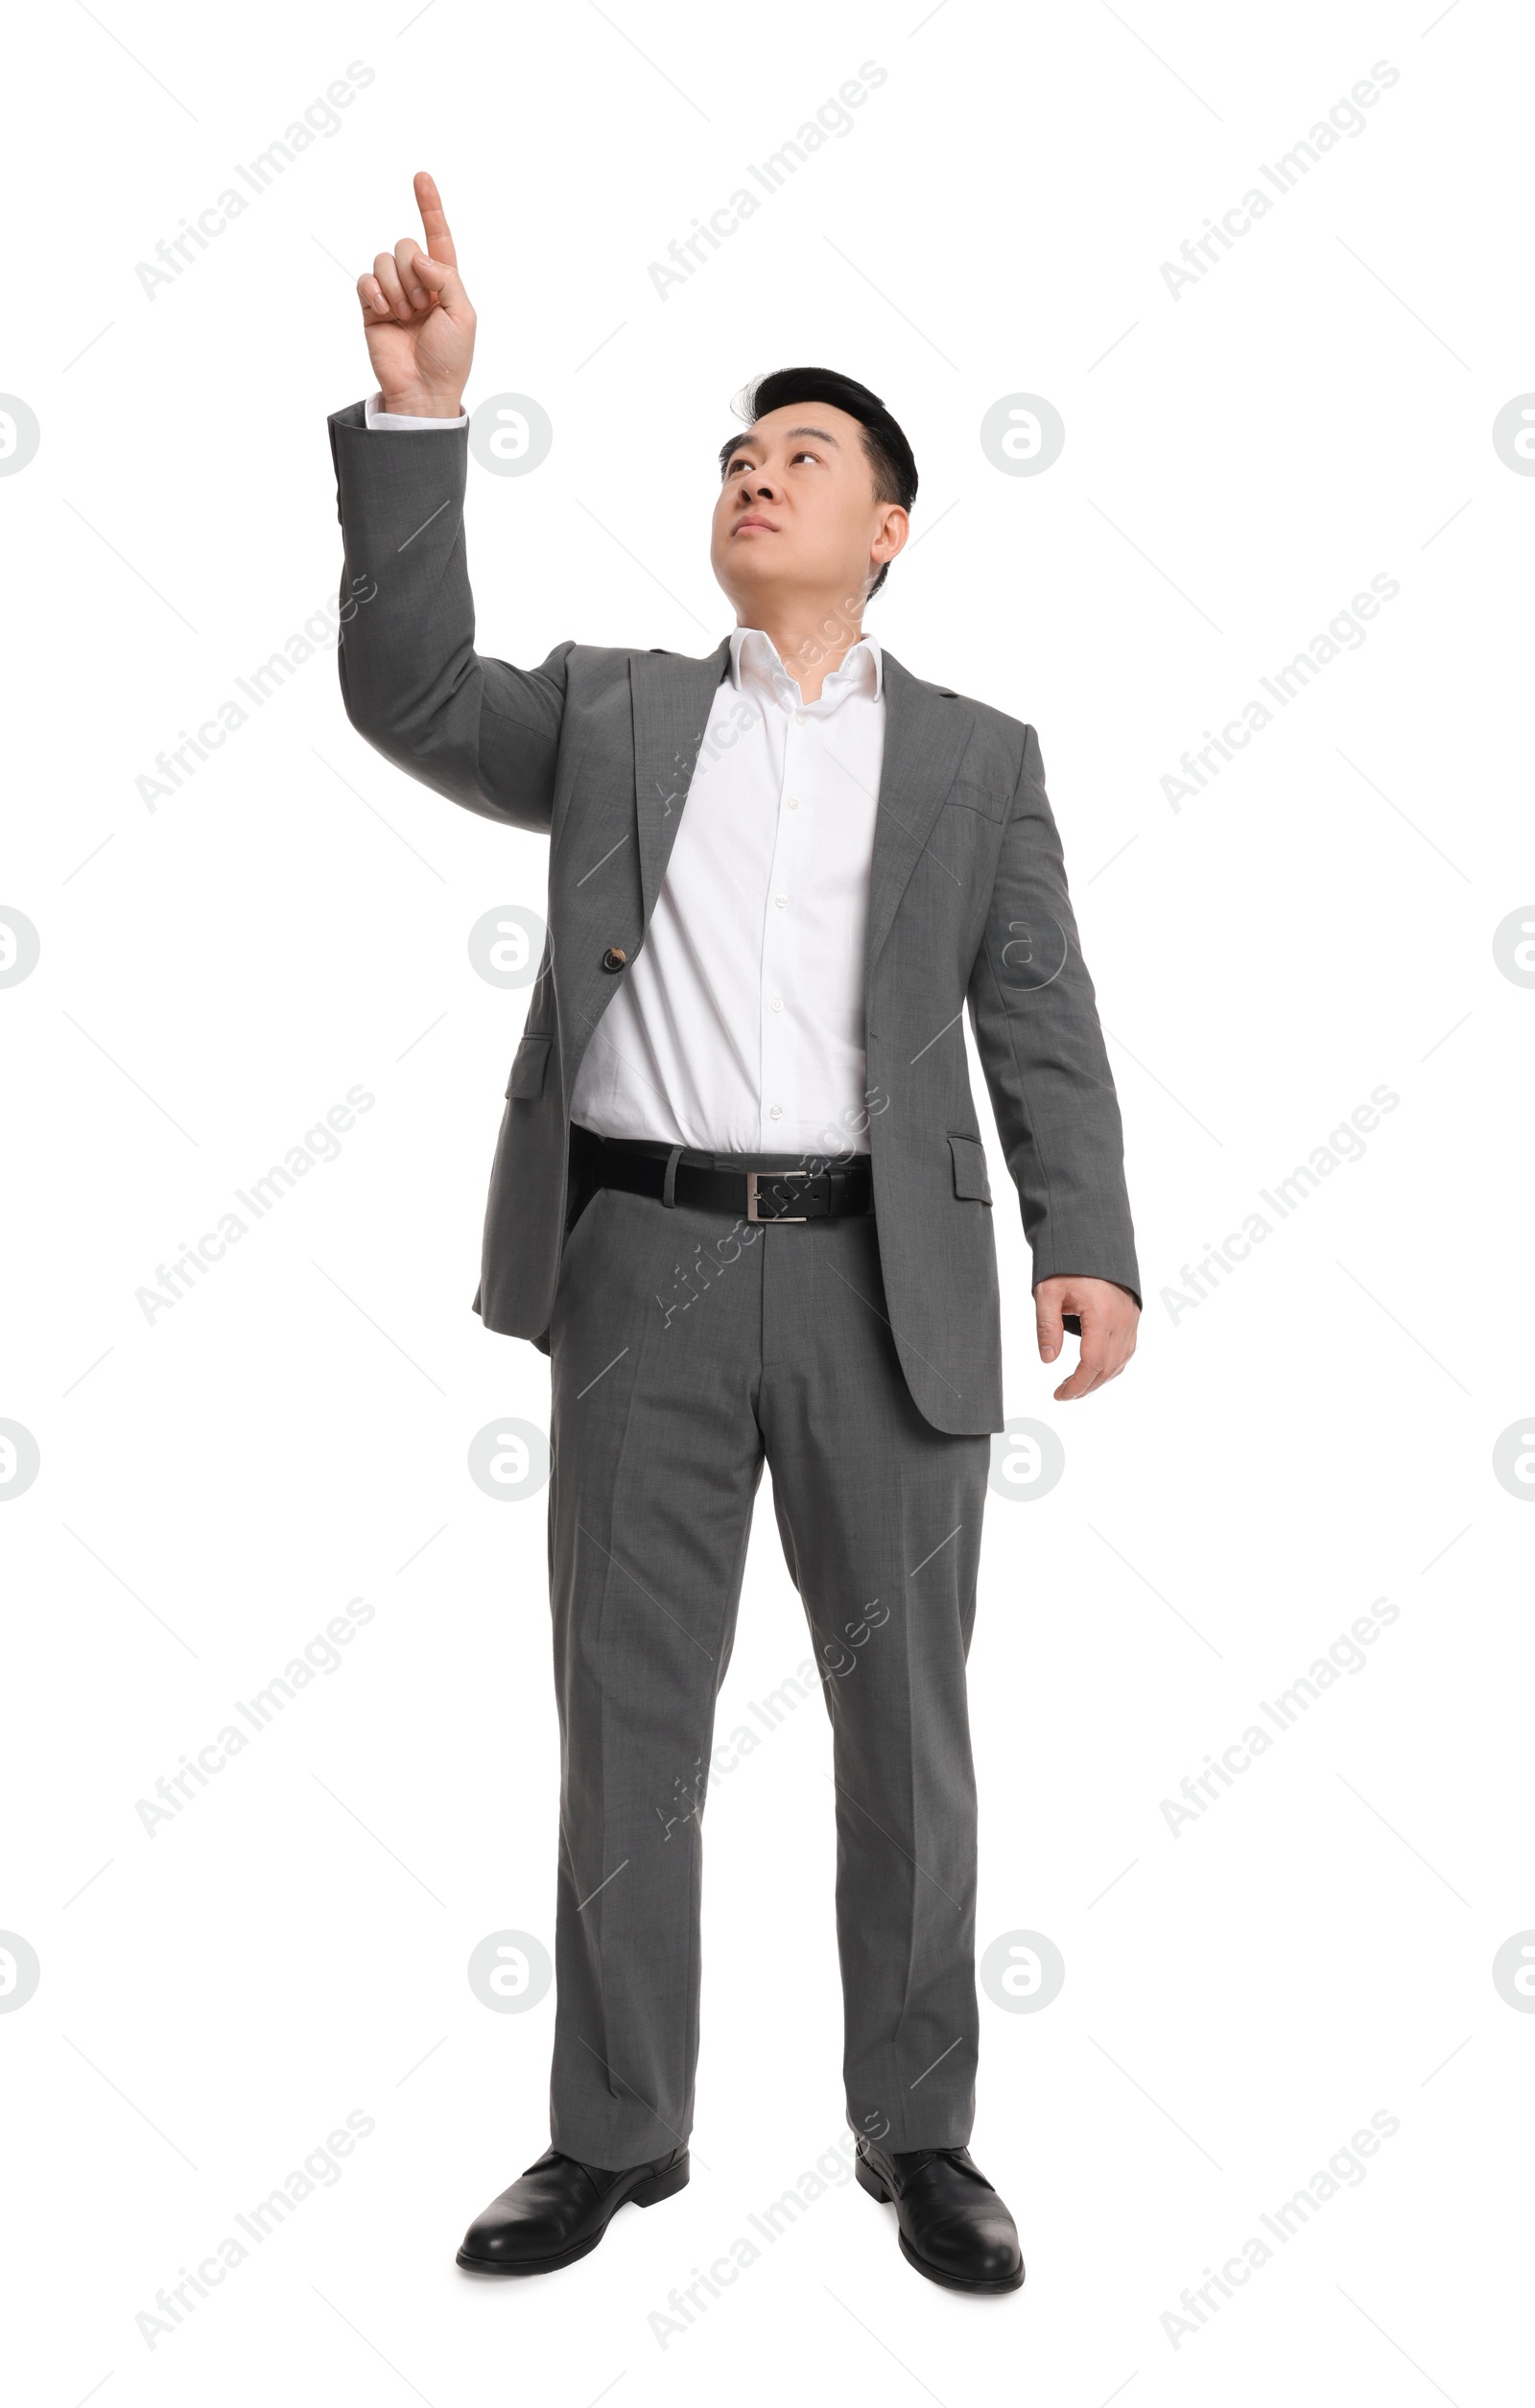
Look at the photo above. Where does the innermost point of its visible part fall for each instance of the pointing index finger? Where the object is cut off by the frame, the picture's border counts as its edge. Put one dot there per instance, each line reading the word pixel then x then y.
pixel 434 223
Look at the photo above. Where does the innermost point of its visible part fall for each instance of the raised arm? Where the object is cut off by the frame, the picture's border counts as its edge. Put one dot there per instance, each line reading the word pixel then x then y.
pixel 476 729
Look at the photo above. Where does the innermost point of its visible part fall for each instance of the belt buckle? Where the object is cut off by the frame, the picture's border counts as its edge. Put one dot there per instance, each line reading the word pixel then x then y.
pixel 752 1214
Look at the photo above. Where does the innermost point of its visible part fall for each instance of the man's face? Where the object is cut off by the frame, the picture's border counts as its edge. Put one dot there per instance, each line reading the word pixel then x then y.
pixel 797 521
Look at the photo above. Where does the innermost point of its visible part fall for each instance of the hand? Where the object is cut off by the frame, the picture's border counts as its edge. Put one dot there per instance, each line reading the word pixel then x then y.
pixel 1109 1314
pixel 417 319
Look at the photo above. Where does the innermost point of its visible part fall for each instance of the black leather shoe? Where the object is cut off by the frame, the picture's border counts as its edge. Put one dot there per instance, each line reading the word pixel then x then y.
pixel 559 2209
pixel 954 2228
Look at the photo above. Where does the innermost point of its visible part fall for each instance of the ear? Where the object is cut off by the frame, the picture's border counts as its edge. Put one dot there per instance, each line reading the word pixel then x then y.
pixel 891 539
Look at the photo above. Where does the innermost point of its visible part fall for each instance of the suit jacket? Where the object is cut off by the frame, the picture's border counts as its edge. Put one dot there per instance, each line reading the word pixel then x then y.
pixel 968 906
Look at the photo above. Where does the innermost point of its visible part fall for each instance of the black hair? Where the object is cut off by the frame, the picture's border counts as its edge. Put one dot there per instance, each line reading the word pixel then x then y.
pixel 885 446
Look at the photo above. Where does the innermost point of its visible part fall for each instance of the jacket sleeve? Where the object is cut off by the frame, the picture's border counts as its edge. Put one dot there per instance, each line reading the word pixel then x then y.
pixel 1037 1025
pixel 483 733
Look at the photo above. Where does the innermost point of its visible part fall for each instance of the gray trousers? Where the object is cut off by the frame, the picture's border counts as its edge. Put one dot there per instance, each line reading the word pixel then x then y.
pixel 685 1350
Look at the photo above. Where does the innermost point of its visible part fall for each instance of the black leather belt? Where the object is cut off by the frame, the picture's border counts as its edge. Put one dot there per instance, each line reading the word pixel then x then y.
pixel 643 1167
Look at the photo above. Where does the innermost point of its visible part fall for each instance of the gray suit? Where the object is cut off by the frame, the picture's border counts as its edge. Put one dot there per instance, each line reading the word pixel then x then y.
pixel 861 1358
pixel 969 904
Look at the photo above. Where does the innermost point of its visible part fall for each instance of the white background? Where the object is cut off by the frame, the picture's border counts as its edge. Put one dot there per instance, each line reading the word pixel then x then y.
pixel 215 974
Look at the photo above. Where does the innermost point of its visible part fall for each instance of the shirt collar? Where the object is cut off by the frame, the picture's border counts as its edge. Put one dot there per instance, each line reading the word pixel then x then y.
pixel 754 653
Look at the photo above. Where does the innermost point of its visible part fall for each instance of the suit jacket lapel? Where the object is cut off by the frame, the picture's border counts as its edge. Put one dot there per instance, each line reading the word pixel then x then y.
pixel 671 696
pixel 924 746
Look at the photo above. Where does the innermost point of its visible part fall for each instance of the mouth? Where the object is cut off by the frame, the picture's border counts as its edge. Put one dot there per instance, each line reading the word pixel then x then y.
pixel 744 524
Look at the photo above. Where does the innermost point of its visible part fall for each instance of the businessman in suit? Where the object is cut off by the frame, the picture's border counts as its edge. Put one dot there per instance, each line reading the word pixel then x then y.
pixel 740 1199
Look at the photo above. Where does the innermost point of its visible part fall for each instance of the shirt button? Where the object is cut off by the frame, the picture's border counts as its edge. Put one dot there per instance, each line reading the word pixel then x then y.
pixel 777 1003
pixel 776 1113
pixel 793 802
pixel 779 902
pixel 799 718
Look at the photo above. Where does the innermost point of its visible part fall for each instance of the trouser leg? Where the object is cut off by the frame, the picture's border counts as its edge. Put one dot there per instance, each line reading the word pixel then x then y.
pixel 881 1515
pixel 656 1460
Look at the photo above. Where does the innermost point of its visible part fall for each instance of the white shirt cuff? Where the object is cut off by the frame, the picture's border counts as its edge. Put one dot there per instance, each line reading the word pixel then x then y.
pixel 392 423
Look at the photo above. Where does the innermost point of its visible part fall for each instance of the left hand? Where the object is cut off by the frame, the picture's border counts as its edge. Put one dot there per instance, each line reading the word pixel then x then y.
pixel 1109 1315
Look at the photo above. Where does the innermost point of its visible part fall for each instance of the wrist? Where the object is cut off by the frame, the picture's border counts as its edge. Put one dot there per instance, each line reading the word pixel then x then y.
pixel 421 405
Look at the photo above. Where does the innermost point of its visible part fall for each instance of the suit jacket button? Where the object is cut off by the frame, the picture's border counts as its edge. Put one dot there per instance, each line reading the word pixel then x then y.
pixel 615 957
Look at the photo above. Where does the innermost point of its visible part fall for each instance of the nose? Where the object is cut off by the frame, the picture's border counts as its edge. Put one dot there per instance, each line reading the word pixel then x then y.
pixel 762 490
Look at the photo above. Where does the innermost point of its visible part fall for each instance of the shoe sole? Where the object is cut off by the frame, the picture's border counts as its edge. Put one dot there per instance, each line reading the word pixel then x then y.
pixel 985 2284
pixel 646 2194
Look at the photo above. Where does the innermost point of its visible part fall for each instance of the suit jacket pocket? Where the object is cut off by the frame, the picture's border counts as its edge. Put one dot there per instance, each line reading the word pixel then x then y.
pixel 970 1179
pixel 990 798
pixel 528 1065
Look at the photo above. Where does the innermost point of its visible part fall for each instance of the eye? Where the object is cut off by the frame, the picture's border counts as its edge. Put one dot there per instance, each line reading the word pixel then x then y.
pixel 736 465
pixel 799 455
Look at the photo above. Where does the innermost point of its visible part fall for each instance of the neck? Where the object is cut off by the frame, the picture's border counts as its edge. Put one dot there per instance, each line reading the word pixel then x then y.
pixel 811 637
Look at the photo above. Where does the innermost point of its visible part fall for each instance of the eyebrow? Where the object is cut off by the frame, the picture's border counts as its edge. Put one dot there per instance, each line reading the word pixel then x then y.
pixel 743 442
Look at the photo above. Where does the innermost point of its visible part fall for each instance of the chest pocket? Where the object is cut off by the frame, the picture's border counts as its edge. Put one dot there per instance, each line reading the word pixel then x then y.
pixel 528 1068
pixel 970 1179
pixel 990 797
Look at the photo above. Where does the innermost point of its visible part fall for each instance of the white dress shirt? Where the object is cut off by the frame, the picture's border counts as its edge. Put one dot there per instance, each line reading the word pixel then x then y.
pixel 739 1027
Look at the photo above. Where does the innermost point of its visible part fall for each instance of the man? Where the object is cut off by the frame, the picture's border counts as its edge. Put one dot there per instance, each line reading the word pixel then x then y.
pixel 741 1199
